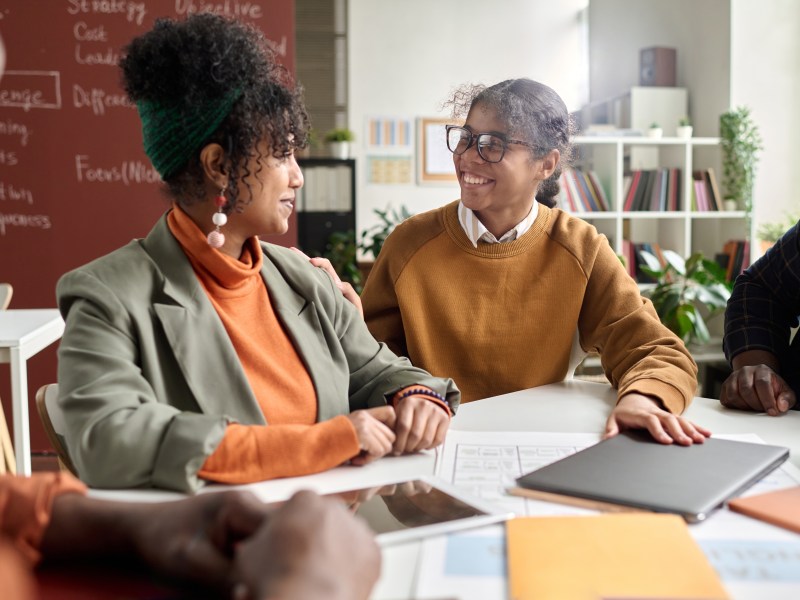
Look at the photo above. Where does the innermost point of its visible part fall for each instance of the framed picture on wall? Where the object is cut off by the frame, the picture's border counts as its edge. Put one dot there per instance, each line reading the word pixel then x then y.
pixel 434 160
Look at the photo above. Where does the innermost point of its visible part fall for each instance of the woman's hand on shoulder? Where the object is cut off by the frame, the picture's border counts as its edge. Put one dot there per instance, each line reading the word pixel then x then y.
pixel 421 424
pixel 374 430
pixel 347 290
pixel 637 411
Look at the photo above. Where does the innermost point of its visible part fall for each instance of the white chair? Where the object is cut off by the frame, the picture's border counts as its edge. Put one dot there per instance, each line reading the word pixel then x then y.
pixel 7 461
pixel 53 420
pixel 6 291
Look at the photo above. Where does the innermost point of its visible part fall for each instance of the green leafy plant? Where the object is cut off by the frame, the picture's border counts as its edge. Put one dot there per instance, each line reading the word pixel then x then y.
pixel 372 239
pixel 687 293
pixel 773 231
pixel 741 145
pixel 654 125
pixel 341 250
pixel 684 122
pixel 340 134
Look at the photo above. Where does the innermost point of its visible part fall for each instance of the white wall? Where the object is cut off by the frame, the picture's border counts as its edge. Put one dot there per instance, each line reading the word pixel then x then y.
pixel 765 75
pixel 405 57
pixel 698 29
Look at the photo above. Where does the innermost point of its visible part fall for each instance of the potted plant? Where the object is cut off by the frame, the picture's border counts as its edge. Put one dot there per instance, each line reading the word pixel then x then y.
pixel 341 250
pixel 741 144
pixel 687 293
pixel 655 131
pixel 339 142
pixel 771 232
pixel 684 129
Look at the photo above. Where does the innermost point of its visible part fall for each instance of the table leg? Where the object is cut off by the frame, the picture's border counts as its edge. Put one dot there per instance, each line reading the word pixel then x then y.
pixel 19 404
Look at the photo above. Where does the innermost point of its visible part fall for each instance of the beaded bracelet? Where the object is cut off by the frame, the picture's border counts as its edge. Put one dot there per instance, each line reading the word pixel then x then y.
pixel 421 392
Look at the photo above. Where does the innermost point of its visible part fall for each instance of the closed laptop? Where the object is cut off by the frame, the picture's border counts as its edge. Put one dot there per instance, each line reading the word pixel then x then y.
pixel 631 469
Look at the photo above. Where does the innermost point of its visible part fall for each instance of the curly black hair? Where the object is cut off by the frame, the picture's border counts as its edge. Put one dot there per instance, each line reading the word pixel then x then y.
pixel 201 59
pixel 532 112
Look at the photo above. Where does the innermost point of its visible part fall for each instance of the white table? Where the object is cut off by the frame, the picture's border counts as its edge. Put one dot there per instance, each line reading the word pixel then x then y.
pixel 567 407
pixel 23 333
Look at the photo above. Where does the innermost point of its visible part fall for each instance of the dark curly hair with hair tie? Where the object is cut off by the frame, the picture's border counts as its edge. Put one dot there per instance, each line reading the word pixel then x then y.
pixel 533 112
pixel 219 64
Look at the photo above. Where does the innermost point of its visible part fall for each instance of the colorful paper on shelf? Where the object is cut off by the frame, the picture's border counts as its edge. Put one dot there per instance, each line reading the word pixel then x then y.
pixel 607 556
pixel 781 508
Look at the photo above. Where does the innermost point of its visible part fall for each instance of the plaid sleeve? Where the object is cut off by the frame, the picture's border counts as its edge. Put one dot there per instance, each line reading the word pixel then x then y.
pixel 765 302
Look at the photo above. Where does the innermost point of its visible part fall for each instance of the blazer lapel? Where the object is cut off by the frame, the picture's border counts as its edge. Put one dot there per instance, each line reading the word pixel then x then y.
pixel 300 320
pixel 196 335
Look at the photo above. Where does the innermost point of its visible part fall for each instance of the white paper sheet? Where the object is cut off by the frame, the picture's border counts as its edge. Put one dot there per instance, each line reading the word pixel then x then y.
pixel 754 560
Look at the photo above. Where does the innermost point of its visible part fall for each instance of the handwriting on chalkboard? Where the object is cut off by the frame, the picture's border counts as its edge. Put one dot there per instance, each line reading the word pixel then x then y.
pixel 98 100
pixel 134 12
pixel 31 89
pixel 15 129
pixel 128 172
pixel 29 221
pixel 229 8
pixel 12 193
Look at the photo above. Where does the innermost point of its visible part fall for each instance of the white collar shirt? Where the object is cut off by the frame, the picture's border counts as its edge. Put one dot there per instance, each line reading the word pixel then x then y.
pixel 477 232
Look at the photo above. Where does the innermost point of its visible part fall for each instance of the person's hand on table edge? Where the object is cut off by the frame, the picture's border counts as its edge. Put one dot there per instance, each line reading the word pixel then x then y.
pixel 637 411
pixel 757 388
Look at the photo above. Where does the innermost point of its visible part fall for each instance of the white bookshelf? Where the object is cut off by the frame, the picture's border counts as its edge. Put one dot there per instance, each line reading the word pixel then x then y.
pixel 685 231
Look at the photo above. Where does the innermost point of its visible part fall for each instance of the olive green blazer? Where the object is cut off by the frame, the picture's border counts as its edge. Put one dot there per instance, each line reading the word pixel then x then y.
pixel 149 379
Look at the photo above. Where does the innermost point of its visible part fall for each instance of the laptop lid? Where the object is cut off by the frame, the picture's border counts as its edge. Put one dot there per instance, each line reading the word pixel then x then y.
pixel 632 469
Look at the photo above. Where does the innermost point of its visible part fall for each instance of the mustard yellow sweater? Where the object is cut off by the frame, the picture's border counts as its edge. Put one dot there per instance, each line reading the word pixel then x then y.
pixel 502 317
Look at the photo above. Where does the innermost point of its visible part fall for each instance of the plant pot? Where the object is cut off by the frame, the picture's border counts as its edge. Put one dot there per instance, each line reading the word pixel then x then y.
pixel 655 133
pixel 339 149
pixel 684 132
pixel 730 205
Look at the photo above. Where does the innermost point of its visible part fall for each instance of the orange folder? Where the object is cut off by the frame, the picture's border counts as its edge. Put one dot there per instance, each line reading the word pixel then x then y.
pixel 781 508
pixel 625 555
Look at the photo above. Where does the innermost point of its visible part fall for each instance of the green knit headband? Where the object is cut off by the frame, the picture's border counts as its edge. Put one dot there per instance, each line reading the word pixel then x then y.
pixel 173 133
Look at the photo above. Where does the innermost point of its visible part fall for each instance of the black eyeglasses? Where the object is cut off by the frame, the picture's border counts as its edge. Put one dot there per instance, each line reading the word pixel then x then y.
pixel 491 146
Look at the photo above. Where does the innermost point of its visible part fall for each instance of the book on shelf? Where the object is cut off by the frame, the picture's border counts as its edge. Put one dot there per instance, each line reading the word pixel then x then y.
pixel 706 191
pixel 652 190
pixel 602 199
pixel 638 260
pixel 711 179
pixel 581 192
pixel 630 192
pixel 734 258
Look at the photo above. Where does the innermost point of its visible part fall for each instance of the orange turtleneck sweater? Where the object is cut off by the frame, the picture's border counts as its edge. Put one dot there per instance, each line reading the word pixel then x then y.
pixel 293 443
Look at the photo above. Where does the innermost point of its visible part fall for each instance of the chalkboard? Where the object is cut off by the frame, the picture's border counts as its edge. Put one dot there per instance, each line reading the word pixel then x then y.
pixel 74 180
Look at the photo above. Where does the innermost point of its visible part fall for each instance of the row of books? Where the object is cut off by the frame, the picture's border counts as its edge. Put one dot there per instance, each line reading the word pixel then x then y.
pixel 581 191
pixel 655 190
pixel 326 189
pixel 631 252
pixel 644 190
pixel 734 258
pixel 705 191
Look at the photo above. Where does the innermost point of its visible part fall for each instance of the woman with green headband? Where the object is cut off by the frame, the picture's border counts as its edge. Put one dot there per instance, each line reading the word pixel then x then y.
pixel 200 353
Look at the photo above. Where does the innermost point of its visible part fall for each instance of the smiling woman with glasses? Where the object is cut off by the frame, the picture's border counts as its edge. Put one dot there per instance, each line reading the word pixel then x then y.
pixel 490 146
pixel 502 292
